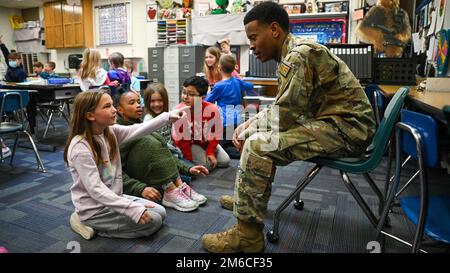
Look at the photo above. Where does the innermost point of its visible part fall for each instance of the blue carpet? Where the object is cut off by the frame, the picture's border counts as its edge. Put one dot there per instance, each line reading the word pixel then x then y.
pixel 35 209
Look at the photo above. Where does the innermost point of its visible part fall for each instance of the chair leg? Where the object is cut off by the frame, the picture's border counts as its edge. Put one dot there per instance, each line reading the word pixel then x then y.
pixel 272 235
pixel 407 184
pixel 423 211
pixel 389 165
pixel 48 124
pixel 36 153
pixel 1 151
pixel 65 117
pixel 16 140
pixel 377 192
pixel 352 189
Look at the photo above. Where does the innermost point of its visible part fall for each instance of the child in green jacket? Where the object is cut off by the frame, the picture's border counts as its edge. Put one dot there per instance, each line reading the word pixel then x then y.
pixel 148 164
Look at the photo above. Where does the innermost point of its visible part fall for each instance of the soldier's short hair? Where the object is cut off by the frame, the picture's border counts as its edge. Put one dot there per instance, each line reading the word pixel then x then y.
pixel 268 12
pixel 227 63
pixel 200 83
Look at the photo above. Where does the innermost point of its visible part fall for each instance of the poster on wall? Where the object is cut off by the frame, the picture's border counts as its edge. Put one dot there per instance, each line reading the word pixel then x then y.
pixel 323 31
pixel 113 24
pixel 440 14
pixel 151 12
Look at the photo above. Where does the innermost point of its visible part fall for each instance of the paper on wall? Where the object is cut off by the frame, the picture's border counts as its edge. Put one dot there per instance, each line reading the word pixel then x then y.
pixel 431 48
pixel 441 5
pixel 433 24
pixel 417 42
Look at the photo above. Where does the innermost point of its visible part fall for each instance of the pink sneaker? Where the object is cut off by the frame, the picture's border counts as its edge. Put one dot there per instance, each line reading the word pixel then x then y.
pixel 200 199
pixel 178 200
pixel 3 250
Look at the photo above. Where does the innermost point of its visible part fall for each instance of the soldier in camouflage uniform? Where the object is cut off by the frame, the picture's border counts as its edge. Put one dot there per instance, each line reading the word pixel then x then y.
pixel 320 110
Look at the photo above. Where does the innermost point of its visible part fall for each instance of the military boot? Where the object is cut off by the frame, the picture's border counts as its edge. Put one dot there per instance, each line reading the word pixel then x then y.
pixel 243 237
pixel 227 202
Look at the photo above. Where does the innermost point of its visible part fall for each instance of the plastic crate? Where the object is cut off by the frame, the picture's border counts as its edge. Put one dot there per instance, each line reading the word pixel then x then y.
pixel 395 71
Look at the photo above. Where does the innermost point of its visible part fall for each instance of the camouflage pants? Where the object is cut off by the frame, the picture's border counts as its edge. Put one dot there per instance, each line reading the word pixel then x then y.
pixel 258 162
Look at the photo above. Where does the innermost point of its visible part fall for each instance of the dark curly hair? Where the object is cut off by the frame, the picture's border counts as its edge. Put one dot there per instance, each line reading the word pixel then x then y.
pixel 200 83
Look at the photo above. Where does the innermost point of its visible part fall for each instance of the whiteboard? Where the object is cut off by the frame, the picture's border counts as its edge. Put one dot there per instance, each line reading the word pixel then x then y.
pixel 113 24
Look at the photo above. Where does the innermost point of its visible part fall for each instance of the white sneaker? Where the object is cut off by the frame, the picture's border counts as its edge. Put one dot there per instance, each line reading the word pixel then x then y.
pixel 85 231
pixel 6 152
pixel 178 200
pixel 200 199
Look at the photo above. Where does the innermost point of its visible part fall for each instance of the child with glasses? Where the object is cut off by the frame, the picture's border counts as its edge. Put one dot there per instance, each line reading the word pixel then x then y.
pixel 198 134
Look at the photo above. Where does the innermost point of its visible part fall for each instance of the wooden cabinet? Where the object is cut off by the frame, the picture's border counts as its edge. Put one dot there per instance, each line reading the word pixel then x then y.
pixel 68 26
pixel 53 25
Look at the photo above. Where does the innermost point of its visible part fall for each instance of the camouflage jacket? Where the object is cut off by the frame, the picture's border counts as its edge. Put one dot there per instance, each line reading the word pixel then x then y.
pixel 314 84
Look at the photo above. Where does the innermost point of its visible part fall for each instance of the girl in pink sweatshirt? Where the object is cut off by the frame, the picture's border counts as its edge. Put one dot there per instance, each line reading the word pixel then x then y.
pixel 92 156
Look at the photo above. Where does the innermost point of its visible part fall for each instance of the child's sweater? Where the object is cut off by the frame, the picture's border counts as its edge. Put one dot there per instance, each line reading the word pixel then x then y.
pixel 101 78
pixel 97 187
pixel 119 74
pixel 147 161
pixel 206 131
pixel 228 93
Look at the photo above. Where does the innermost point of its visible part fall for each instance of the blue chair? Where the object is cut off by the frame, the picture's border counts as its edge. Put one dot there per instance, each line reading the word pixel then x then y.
pixel 362 165
pixel 417 136
pixel 375 97
pixel 446 110
pixel 15 101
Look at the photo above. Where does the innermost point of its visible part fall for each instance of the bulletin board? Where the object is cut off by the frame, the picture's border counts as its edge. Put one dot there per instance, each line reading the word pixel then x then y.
pixel 113 24
pixel 333 30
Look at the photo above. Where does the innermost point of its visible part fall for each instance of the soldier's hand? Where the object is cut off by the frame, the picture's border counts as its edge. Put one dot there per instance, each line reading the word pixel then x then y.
pixel 151 193
pixel 237 142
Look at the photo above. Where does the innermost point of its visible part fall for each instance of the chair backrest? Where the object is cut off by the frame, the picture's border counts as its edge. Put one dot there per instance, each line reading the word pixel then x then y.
pixel 373 93
pixel 384 131
pixel 446 110
pixel 13 100
pixel 427 128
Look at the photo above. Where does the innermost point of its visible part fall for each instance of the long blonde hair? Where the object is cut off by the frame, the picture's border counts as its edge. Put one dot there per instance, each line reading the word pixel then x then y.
pixel 87 102
pixel 212 73
pixel 90 64
pixel 152 89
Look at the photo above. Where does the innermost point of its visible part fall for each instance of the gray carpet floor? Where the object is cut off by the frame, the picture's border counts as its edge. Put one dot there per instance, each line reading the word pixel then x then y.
pixel 35 208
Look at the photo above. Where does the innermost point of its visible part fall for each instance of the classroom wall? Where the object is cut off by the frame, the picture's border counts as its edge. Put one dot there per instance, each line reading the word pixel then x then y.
pixel 6 29
pixel 7 33
pixel 143 33
pixel 143 37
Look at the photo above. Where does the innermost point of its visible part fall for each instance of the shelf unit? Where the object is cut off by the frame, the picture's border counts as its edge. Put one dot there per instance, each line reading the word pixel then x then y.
pixel 172 31
pixel 319 15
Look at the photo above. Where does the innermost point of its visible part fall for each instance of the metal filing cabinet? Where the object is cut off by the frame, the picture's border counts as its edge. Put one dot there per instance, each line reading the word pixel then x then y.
pixel 171 75
pixel 156 64
pixel 191 59
pixel 173 65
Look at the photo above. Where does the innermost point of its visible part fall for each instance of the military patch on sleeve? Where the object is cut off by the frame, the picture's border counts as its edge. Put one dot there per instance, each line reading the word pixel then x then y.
pixel 284 69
